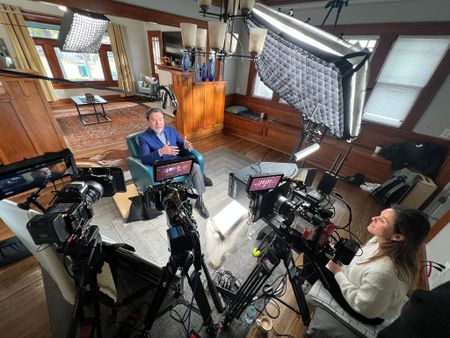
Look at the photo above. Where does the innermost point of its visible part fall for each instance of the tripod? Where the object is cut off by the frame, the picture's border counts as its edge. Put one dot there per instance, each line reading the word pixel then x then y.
pixel 185 252
pixel 274 252
pixel 277 249
pixel 87 263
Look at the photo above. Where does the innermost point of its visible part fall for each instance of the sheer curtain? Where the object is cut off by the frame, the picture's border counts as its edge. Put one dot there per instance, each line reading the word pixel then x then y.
pixel 125 76
pixel 24 47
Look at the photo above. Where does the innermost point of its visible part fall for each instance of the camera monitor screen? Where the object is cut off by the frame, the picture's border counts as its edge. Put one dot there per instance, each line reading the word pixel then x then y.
pixel 167 170
pixel 263 182
pixel 33 173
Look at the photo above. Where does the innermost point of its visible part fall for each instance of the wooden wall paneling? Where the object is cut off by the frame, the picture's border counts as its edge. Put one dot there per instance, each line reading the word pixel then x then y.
pixel 28 126
pixel 219 104
pixel 210 106
pixel 188 83
pixel 201 105
pixel 15 143
pixel 36 116
pixel 282 138
pixel 276 111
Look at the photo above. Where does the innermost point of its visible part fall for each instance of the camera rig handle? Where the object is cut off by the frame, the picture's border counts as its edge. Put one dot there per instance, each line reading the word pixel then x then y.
pixel 32 199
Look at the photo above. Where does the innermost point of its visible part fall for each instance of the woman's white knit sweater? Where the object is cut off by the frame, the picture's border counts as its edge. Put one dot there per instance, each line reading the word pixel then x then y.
pixel 372 288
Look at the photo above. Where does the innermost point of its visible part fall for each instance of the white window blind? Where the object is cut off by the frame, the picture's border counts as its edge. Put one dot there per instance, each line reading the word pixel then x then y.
pixel 408 68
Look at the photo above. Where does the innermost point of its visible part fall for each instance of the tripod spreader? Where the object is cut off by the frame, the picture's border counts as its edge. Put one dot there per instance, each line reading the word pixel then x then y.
pixel 274 252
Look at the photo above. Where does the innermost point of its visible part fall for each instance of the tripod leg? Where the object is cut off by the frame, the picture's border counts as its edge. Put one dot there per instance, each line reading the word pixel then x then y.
pixel 212 288
pixel 76 313
pixel 248 291
pixel 199 293
pixel 296 284
pixel 160 294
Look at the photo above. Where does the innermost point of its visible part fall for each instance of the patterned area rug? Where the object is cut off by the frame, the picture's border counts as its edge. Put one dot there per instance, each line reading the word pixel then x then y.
pixel 110 158
pixel 126 120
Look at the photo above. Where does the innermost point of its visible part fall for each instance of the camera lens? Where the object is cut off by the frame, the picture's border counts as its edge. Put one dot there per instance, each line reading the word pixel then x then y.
pixel 94 192
pixel 283 206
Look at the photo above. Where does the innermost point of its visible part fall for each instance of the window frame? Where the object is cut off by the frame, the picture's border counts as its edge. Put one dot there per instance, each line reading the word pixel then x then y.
pixel 251 86
pixel 386 41
pixel 49 44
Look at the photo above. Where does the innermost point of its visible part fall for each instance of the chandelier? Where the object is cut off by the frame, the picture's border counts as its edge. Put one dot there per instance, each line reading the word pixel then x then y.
pixel 223 41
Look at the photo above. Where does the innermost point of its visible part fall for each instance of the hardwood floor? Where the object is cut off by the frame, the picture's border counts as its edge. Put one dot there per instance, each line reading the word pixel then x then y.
pixel 23 306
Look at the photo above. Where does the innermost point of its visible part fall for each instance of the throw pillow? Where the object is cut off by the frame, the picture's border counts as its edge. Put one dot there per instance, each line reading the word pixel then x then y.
pixel 237 109
pixel 148 81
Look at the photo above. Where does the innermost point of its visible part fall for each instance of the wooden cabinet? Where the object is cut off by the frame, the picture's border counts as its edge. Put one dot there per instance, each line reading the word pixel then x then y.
pixel 270 133
pixel 27 125
pixel 201 106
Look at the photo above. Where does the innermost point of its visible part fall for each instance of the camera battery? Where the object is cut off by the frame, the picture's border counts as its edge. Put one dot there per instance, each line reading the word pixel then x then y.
pixel 178 240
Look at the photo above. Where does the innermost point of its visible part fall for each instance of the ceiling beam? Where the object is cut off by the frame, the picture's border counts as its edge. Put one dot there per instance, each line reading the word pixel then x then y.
pixel 120 9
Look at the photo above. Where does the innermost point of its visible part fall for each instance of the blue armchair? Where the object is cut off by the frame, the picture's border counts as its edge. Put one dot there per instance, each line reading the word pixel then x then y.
pixel 143 174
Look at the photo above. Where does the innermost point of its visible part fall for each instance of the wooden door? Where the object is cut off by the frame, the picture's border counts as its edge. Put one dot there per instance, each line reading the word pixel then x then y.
pixel 28 127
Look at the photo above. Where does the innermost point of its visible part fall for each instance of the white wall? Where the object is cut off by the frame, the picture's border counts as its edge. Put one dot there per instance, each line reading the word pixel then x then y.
pixel 137 46
pixel 375 11
pixel 436 252
pixel 437 115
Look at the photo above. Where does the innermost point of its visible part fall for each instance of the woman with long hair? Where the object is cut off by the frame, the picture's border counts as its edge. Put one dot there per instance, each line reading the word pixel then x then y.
pixel 374 286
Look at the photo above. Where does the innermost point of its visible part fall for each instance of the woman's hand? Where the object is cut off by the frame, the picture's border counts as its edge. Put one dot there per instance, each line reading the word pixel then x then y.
pixel 333 267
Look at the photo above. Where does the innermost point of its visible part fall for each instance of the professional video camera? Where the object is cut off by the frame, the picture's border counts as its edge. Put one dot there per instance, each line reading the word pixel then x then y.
pixel 71 209
pixel 285 204
pixel 298 221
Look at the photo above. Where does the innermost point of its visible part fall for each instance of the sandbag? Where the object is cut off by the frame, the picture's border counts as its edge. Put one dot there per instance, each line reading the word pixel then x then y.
pixel 142 208
pixel 12 250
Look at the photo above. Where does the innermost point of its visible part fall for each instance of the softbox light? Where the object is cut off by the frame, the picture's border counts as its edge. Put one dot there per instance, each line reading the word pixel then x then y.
pixel 320 75
pixel 82 31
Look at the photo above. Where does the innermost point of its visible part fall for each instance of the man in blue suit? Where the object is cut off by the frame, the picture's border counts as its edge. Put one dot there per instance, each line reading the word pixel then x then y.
pixel 161 142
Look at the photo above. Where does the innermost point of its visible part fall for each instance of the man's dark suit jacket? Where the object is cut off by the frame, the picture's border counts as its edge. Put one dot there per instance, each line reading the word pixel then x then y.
pixel 149 144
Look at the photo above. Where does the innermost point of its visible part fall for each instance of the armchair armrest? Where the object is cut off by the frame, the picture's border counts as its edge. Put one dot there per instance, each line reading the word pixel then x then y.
pixel 198 157
pixel 142 174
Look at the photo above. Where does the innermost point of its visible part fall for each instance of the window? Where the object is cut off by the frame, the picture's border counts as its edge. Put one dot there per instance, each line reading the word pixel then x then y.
pixel 368 42
pixel 406 71
pixel 156 52
pixel 261 90
pixel 44 61
pixel 99 67
pixel 42 30
pixel 112 65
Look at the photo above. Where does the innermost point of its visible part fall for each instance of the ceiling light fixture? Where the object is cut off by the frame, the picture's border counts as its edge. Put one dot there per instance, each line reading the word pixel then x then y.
pixel 222 39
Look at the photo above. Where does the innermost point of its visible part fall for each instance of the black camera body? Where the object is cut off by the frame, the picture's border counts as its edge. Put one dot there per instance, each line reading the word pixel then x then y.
pixel 72 208
pixel 297 216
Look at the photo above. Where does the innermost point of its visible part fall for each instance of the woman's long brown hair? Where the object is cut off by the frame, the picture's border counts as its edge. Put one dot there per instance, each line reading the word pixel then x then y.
pixel 414 226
